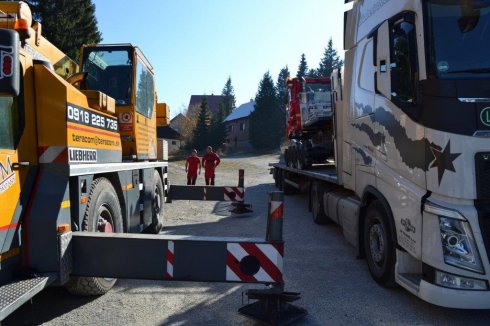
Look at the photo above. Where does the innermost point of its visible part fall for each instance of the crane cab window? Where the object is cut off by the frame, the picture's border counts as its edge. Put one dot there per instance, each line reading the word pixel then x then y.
pixel 109 70
pixel 11 118
pixel 9 121
pixel 145 92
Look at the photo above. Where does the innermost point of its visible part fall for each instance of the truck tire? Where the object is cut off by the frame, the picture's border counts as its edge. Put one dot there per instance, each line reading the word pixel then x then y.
pixel 158 200
pixel 300 159
pixel 103 214
pixel 379 245
pixel 286 157
pixel 276 177
pixel 317 207
pixel 286 187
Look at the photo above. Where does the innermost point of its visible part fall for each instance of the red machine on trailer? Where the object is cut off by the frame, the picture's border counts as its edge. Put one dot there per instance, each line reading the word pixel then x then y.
pixel 309 122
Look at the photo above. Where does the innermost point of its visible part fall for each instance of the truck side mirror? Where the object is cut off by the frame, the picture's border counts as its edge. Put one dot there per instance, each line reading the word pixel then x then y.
pixel 9 63
pixel 383 71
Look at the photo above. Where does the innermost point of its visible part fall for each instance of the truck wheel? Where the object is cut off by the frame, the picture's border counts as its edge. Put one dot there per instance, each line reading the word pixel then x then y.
pixel 158 200
pixel 317 207
pixel 379 245
pixel 286 187
pixel 294 157
pixel 300 159
pixel 276 178
pixel 103 214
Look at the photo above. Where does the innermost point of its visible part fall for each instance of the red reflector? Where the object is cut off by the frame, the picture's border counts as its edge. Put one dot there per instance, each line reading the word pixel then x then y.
pixel 7 65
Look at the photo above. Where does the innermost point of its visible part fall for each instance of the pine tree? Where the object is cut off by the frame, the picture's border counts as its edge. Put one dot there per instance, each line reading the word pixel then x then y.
pixel 312 73
pixel 330 61
pixel 201 132
pixel 218 131
pixel 267 120
pixel 68 24
pixel 303 67
pixel 282 90
pixel 229 99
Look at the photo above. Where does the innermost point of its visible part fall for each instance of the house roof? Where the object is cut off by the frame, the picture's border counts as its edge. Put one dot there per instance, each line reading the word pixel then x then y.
pixel 242 111
pixel 167 133
pixel 213 102
pixel 179 116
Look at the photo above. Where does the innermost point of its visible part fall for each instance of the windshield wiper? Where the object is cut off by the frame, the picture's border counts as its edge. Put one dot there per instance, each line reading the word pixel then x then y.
pixel 483 70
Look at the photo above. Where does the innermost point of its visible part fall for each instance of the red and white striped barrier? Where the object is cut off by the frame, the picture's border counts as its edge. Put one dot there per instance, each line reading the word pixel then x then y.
pixel 170 260
pixel 52 154
pixel 251 262
pixel 234 193
pixel 276 209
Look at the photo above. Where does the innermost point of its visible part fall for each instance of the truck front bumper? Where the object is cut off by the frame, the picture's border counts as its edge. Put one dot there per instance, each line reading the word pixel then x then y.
pixel 454 298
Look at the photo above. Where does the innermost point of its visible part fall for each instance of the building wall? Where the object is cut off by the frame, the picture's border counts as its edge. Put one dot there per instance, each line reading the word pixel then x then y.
pixel 174 145
pixel 238 136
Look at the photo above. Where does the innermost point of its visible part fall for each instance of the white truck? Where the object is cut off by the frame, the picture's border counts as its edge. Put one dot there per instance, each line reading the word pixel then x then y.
pixel 410 185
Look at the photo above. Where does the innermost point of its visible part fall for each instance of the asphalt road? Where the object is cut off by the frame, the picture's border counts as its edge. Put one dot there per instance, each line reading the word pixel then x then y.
pixel 336 287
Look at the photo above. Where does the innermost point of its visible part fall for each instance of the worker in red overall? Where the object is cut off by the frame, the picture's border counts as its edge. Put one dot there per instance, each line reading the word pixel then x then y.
pixel 210 161
pixel 192 164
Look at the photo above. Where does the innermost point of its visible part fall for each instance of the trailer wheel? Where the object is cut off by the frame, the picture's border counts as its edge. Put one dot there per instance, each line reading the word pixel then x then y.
pixel 276 177
pixel 317 207
pixel 300 159
pixel 286 156
pixel 286 187
pixel 158 200
pixel 379 245
pixel 103 214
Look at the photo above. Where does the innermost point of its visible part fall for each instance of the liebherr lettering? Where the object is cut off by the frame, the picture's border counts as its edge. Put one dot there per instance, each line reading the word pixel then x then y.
pixel 81 155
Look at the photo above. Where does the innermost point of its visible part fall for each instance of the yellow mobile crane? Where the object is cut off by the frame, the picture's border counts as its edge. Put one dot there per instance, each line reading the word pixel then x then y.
pixel 78 152
pixel 85 154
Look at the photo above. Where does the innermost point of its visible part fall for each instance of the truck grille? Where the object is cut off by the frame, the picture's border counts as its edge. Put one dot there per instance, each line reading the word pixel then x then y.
pixel 482 169
pixel 483 209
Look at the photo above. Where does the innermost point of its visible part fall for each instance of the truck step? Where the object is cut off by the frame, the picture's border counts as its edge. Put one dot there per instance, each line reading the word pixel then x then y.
pixel 14 295
pixel 411 280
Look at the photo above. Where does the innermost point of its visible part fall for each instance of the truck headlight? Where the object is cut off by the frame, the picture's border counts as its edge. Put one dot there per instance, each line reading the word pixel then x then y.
pixel 458 243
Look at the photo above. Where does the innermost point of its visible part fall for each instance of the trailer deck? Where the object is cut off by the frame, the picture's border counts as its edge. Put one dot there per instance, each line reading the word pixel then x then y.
pixel 324 172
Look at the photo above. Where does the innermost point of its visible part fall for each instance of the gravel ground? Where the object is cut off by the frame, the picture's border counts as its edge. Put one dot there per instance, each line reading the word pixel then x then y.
pixel 336 287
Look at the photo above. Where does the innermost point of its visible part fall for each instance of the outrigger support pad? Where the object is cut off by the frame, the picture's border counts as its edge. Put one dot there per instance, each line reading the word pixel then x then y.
pixel 241 207
pixel 273 304
pixel 273 307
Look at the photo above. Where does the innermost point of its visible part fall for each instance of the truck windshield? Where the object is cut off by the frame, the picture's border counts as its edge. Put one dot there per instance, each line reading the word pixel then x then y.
pixel 457 35
pixel 109 71
pixel 318 92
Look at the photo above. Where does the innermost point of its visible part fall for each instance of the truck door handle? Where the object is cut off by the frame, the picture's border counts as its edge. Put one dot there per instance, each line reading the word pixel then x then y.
pixel 18 165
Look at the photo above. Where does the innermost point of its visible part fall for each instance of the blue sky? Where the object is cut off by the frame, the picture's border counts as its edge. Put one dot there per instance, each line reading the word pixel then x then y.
pixel 194 45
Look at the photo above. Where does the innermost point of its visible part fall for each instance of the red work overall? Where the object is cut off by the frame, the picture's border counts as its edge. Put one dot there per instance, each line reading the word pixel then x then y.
pixel 210 161
pixel 192 166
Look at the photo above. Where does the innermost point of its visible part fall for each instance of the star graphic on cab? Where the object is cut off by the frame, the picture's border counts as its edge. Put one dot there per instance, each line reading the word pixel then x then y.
pixel 443 160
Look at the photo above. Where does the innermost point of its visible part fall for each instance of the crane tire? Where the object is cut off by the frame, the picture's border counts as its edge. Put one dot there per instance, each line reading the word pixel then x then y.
pixel 103 208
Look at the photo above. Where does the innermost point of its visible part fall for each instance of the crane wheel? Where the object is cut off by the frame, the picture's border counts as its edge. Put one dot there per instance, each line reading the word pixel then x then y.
pixel 157 202
pixel 103 214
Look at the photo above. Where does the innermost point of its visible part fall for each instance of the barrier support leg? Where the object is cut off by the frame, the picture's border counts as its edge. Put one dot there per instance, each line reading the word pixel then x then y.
pixel 240 207
pixel 273 305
